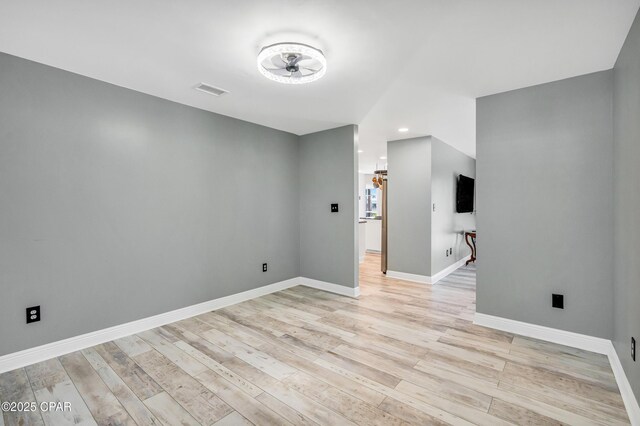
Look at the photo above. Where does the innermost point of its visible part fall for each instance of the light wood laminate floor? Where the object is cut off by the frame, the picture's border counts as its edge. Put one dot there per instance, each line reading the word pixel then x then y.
pixel 402 353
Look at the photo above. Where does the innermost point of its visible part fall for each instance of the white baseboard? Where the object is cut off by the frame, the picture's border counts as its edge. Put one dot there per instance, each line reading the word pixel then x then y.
pixel 449 269
pixel 422 279
pixel 361 259
pixel 425 279
pixel 51 350
pixel 575 340
pixel 548 334
pixel 629 399
pixel 330 287
pixel 55 349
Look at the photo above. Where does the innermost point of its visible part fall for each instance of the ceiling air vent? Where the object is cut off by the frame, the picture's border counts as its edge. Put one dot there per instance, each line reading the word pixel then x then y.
pixel 212 90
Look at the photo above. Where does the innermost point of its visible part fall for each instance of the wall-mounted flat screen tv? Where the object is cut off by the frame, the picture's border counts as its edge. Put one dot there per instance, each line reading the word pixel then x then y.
pixel 464 194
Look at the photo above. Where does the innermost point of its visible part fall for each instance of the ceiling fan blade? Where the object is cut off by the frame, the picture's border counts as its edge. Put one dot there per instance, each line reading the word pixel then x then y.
pixel 278 62
pixel 278 71
pixel 309 69
pixel 296 74
pixel 300 58
pixel 308 61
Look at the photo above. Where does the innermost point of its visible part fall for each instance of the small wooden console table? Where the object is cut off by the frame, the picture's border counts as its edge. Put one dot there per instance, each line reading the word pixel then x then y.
pixel 470 238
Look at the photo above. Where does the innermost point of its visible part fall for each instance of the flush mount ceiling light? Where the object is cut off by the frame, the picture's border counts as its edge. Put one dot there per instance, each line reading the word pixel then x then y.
pixel 403 129
pixel 292 63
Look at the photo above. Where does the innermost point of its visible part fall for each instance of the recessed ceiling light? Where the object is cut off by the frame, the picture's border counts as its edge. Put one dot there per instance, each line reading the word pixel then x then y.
pixel 360 151
pixel 403 129
pixel 292 63
pixel 383 158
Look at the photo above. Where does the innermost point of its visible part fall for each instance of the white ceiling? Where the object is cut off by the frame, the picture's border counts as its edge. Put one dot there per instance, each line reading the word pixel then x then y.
pixel 401 63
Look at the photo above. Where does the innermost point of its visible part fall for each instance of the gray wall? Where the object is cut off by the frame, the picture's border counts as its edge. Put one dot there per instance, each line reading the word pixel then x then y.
pixel 626 130
pixel 447 226
pixel 544 202
pixel 115 205
pixel 409 202
pixel 329 174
